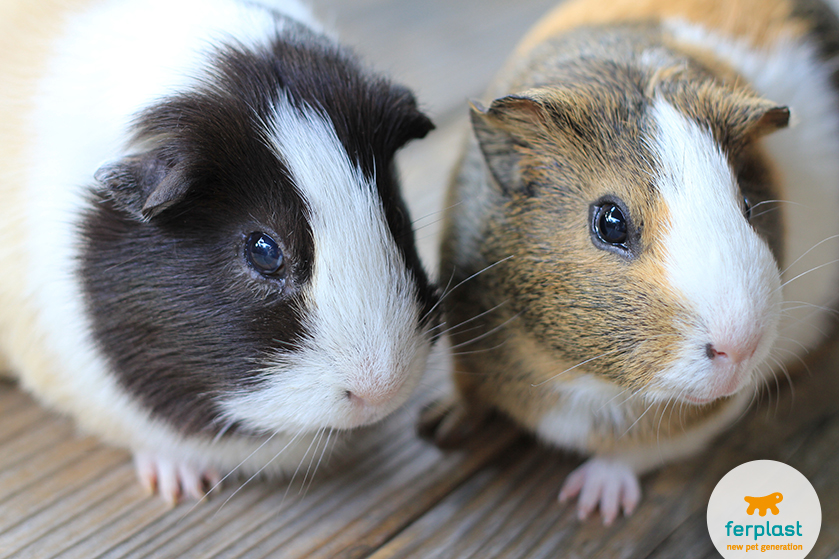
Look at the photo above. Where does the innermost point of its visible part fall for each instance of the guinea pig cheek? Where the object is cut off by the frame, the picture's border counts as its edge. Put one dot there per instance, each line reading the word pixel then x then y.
pixel 339 376
pixel 315 387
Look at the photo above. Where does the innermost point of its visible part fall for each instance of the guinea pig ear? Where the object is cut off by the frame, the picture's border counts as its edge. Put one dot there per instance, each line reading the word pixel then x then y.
pixel 501 131
pixel 768 118
pixel 144 185
pixel 406 121
pixel 740 116
pixel 415 126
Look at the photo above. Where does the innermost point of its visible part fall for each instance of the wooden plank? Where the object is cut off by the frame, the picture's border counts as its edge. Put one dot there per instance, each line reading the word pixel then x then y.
pixel 74 516
pixel 537 519
pixel 531 519
pixel 383 497
pixel 18 423
pixel 487 500
pixel 415 497
pixel 282 509
pixel 32 472
pixel 136 515
pixel 34 509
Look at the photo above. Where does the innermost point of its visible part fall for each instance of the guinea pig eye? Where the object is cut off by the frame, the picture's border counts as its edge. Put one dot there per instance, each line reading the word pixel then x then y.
pixel 747 208
pixel 610 224
pixel 264 254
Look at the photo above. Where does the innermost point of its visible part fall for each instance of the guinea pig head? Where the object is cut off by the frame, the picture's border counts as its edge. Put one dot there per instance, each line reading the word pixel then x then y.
pixel 251 266
pixel 642 237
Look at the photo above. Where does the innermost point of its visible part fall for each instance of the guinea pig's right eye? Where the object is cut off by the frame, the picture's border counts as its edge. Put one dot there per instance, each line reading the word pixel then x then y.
pixel 264 254
pixel 747 208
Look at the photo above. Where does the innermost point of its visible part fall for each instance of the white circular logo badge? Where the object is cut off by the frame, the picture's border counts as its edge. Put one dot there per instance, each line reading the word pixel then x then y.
pixel 764 509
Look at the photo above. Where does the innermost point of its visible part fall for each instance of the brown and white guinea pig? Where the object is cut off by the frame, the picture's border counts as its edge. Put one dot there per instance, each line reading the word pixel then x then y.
pixel 636 241
pixel 205 254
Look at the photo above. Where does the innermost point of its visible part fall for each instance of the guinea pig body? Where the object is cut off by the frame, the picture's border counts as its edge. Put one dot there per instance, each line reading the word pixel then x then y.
pixel 638 241
pixel 206 257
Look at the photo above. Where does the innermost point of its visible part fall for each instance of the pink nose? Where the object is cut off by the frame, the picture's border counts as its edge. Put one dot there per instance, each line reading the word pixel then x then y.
pixel 731 352
pixel 372 397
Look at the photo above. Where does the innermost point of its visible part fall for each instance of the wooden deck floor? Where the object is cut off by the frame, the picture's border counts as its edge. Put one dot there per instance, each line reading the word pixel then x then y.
pixel 385 493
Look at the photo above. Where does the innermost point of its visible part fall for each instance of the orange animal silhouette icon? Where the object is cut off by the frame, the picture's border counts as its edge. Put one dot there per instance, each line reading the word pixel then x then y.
pixel 769 502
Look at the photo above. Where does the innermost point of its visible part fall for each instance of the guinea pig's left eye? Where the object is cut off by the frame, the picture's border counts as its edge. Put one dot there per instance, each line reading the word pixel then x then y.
pixel 264 254
pixel 612 228
pixel 610 224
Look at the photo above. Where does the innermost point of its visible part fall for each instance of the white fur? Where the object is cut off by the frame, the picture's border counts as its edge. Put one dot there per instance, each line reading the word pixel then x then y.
pixel 112 60
pixel 361 307
pixel 586 402
pixel 717 265
pixel 807 156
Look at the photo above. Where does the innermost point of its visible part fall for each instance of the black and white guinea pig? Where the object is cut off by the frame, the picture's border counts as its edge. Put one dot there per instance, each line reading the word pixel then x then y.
pixel 636 240
pixel 205 253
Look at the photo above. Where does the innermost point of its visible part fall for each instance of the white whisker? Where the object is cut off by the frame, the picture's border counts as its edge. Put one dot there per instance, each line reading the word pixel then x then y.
pixel 440 211
pixel 487 333
pixel 482 350
pixel 808 251
pixel 227 475
pixel 628 429
pixel 224 430
pixel 580 364
pixel 658 429
pixel 260 470
pixel 476 274
pixel 318 437
pixel 802 274
pixel 613 398
pixel 468 320
pixel 299 465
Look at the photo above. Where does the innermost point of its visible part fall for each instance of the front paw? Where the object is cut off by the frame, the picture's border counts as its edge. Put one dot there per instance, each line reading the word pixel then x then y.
pixel 174 480
pixel 448 423
pixel 609 484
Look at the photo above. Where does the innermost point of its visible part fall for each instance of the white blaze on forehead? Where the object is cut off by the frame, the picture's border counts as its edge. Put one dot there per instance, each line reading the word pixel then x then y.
pixel 715 260
pixel 359 277
pixel 361 312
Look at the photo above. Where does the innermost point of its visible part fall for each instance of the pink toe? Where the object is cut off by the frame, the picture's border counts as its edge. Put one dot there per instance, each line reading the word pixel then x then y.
pixel 631 496
pixel 610 502
pixel 167 482
pixel 572 486
pixel 589 497
pixel 191 483
pixel 146 473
